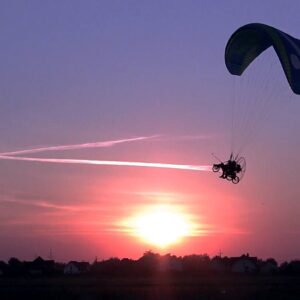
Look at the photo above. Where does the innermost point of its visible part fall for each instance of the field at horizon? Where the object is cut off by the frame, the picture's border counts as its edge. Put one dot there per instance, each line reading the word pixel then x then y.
pixel 161 288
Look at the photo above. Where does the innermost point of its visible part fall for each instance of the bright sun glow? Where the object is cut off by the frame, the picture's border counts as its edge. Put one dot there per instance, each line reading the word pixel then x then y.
pixel 162 226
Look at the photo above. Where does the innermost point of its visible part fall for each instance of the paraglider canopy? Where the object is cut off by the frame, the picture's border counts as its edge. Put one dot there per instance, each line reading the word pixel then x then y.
pixel 249 41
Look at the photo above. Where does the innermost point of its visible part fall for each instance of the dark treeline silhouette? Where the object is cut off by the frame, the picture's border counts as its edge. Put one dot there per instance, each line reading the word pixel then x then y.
pixel 150 264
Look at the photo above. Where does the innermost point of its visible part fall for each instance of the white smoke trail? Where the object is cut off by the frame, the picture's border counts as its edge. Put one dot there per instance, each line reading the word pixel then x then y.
pixel 77 146
pixel 182 138
pixel 109 163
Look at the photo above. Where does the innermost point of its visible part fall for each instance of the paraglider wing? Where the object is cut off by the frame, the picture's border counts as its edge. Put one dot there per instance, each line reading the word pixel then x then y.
pixel 251 40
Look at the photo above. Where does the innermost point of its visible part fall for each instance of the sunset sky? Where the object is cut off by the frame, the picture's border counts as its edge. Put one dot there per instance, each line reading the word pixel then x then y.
pixel 148 78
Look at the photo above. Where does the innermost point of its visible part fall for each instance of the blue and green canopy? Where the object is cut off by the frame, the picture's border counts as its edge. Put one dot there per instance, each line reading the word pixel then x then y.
pixel 249 41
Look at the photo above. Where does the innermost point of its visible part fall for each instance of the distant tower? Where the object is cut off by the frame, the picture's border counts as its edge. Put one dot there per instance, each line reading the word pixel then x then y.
pixel 50 254
pixel 220 253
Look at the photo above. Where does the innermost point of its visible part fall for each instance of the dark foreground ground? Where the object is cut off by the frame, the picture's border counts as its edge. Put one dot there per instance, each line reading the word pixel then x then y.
pixel 162 288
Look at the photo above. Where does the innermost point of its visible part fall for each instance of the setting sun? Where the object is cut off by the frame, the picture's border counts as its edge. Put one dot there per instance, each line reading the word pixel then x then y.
pixel 161 226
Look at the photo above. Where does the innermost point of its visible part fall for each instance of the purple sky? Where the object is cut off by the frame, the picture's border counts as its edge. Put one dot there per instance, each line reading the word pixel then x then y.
pixel 73 72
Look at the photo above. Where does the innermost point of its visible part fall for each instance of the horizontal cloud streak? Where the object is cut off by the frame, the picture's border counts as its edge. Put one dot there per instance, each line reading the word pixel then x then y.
pixel 45 204
pixel 78 146
pixel 110 163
